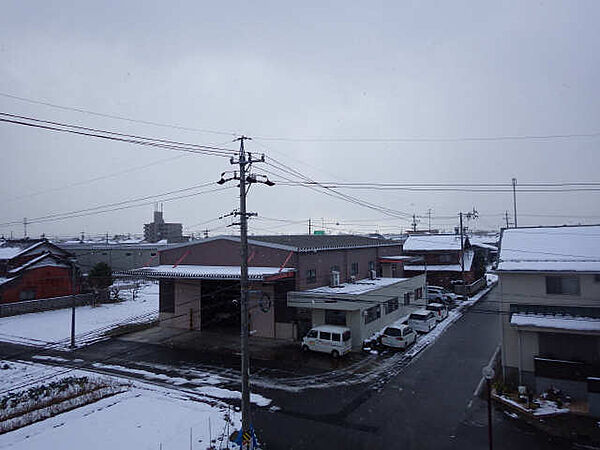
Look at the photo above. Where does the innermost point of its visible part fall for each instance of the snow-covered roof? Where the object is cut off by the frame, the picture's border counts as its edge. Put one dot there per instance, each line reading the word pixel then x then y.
pixel 207 272
pixel 433 242
pixel 550 249
pixel 5 280
pixel 444 267
pixel 359 287
pixel 482 245
pixel 558 322
pixel 9 252
pixel 40 261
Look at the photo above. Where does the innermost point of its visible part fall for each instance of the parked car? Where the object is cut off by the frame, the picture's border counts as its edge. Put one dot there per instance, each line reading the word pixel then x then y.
pixel 440 311
pixel 332 339
pixel 400 336
pixel 435 293
pixel 422 321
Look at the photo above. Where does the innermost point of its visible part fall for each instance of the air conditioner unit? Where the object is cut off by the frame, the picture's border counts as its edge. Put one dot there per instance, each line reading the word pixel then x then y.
pixel 335 279
pixel 372 274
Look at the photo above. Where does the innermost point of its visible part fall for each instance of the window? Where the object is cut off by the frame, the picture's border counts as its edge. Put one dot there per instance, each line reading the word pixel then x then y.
pixel 407 298
pixel 372 314
pixel 311 276
pixel 565 285
pixel 325 335
pixel 335 317
pixel 391 305
pixel 445 258
pixel 354 269
pixel 312 334
pixel 153 254
pixel 27 294
pixel 336 337
pixel 346 336
pixel 128 254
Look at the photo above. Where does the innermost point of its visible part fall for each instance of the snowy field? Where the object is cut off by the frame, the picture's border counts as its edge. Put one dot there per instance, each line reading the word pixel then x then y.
pixel 54 327
pixel 143 417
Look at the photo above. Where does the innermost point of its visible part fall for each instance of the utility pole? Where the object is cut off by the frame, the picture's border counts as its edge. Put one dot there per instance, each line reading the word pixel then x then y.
pixel 470 215
pixel 429 218
pixel 309 227
pixel 246 179
pixel 414 222
pixel 25 227
pixel 514 186
pixel 506 217
pixel 462 254
pixel 73 280
pixel 206 231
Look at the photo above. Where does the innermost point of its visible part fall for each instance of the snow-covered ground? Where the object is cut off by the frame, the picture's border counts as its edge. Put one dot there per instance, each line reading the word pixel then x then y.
pixel 54 327
pixel 143 417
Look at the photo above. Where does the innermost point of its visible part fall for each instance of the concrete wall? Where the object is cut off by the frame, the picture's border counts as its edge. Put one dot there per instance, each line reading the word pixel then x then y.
pixel 46 304
pixel 530 289
pixel 117 257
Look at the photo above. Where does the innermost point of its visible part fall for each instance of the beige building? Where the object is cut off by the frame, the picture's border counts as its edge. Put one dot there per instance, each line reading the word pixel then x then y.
pixel 549 281
pixel 365 306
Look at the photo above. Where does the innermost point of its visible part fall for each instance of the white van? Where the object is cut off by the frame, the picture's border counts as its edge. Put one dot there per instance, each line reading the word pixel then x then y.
pixel 332 339
pixel 440 311
pixel 422 320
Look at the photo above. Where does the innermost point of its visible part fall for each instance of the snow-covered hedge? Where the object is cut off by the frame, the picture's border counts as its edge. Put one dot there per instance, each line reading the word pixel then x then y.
pixel 21 408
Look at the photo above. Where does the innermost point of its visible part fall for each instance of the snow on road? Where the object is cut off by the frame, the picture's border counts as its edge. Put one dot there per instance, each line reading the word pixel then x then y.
pixel 43 328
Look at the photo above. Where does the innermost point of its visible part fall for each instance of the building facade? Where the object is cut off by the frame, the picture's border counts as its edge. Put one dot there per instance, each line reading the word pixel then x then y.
pixel 549 280
pixel 159 230
pixel 203 276
pixel 34 269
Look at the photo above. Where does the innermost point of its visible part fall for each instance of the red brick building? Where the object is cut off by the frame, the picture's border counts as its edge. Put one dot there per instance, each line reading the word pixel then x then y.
pixel 31 270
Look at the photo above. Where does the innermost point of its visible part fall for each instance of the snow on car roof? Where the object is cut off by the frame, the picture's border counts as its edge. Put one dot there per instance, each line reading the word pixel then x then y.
pixel 547 249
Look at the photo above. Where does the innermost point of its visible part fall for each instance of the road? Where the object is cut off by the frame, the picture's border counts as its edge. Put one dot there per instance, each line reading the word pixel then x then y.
pixel 428 405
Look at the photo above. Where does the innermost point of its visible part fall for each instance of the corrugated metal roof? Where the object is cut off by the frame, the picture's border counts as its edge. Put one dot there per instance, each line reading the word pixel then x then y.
pixel 206 272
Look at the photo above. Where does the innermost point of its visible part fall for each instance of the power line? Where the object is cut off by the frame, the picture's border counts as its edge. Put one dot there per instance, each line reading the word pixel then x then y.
pixel 113 116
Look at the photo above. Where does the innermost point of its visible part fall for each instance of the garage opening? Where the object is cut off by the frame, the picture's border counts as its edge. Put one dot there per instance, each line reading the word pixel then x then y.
pixel 220 306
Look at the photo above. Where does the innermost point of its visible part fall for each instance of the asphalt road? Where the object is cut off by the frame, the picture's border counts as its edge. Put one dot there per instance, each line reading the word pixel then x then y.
pixel 428 405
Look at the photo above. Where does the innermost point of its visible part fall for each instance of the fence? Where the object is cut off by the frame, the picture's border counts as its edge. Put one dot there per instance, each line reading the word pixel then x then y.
pixel 46 304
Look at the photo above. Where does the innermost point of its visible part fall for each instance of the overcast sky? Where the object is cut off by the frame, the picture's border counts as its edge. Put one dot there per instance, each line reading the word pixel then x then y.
pixel 301 70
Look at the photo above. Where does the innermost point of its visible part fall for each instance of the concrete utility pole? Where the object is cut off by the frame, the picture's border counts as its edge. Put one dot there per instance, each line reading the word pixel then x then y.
pixel 429 219
pixel 73 291
pixel 470 215
pixel 25 227
pixel 414 222
pixel 246 179
pixel 309 227
pixel 506 217
pixel 514 186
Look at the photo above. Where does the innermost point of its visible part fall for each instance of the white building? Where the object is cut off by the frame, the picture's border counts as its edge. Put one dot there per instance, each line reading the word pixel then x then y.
pixel 549 280
pixel 365 306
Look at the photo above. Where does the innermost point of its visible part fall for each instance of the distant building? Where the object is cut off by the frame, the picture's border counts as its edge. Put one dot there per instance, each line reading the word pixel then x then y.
pixel 159 230
pixel 549 279
pixel 33 269
pixel 442 258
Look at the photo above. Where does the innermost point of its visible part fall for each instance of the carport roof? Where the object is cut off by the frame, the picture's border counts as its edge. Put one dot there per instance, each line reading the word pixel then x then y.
pixel 208 272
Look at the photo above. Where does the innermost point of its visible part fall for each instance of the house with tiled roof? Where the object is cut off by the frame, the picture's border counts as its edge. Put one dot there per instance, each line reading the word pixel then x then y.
pixel 549 280
pixel 33 269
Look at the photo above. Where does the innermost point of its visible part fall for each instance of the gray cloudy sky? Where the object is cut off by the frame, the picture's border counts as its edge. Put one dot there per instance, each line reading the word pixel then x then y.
pixel 397 69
